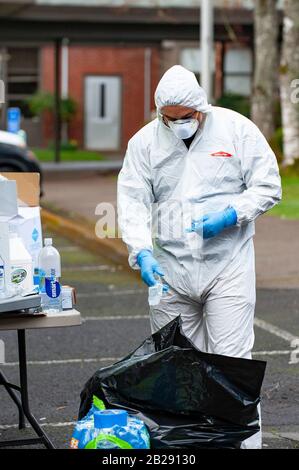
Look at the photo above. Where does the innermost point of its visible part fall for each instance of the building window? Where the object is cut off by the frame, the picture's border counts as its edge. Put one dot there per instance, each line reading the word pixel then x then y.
pixel 238 71
pixel 22 77
pixel 190 58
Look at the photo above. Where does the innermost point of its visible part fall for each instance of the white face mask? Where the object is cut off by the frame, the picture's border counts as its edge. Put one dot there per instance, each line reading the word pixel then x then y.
pixel 184 128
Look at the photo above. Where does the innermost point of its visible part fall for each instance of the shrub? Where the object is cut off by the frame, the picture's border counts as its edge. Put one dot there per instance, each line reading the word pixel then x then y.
pixel 236 102
pixel 276 143
pixel 45 101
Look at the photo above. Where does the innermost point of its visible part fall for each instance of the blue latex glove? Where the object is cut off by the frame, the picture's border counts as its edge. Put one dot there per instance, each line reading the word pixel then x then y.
pixel 149 266
pixel 214 222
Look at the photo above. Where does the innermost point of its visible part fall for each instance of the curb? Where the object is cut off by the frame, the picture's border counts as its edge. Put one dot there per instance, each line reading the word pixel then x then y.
pixel 83 235
pixel 66 168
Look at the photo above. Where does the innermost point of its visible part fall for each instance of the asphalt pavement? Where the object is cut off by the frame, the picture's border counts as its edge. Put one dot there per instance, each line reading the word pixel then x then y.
pixel 113 304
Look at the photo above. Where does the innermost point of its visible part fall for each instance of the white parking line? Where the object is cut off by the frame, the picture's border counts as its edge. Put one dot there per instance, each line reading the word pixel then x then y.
pixel 116 317
pixel 289 337
pixel 275 330
pixel 115 359
pixel 63 361
pixel 271 353
pixel 3 427
pixel 112 292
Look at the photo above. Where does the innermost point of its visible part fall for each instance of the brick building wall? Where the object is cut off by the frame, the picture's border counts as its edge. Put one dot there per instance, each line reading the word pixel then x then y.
pixel 126 62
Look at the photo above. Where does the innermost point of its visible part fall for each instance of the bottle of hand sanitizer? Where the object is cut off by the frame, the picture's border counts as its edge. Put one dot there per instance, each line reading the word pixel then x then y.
pixel 21 265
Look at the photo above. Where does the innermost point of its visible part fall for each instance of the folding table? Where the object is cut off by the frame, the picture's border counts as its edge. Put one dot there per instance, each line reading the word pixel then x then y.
pixel 22 322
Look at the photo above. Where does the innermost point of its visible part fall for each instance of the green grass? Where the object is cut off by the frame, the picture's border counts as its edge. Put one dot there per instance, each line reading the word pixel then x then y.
pixel 47 155
pixel 289 205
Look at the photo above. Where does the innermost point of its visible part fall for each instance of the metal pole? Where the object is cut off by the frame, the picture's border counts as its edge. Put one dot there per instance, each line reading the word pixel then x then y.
pixel 147 84
pixel 3 76
pixel 65 68
pixel 206 43
pixel 64 82
pixel 24 392
pixel 57 115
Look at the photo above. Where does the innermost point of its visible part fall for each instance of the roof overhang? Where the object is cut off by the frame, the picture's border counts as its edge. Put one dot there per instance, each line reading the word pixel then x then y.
pixel 24 20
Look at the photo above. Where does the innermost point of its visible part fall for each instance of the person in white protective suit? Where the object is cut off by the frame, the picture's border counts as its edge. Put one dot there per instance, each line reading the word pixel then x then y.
pixel 194 180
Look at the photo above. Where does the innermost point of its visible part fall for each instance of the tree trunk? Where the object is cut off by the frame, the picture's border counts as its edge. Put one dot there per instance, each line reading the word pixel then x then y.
pixel 289 82
pixel 265 87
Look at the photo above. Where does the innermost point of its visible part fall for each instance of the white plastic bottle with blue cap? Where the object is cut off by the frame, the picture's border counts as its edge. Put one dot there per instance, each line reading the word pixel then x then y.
pixel 50 272
pixel 105 432
pixel 105 428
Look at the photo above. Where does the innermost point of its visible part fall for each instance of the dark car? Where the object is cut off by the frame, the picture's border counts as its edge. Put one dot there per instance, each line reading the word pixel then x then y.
pixel 16 156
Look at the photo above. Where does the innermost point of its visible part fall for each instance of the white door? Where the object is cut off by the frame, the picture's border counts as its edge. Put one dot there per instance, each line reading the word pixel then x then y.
pixel 102 112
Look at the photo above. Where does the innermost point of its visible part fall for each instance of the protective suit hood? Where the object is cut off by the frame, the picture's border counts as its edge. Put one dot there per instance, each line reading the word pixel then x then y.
pixel 179 86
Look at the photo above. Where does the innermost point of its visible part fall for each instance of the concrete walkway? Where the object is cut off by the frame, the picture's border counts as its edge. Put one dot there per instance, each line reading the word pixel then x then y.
pixel 276 241
pixel 80 193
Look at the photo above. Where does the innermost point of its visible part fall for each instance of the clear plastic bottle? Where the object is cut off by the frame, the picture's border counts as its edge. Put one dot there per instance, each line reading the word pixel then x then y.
pixel 155 292
pixel 104 422
pixel 109 428
pixel 50 272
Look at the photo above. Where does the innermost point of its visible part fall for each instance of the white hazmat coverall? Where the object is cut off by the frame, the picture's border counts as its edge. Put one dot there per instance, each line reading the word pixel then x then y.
pixel 229 163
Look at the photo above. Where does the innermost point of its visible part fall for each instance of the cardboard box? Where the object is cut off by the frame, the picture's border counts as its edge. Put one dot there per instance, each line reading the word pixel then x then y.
pixel 28 187
pixel 26 218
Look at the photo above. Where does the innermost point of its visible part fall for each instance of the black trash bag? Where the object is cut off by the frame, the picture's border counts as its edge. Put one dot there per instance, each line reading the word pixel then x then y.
pixel 187 398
